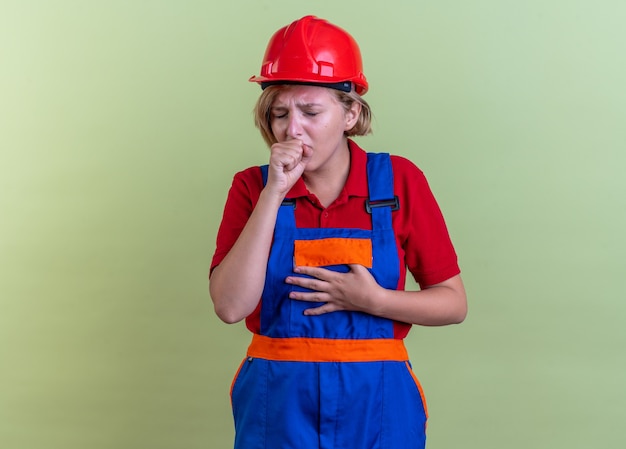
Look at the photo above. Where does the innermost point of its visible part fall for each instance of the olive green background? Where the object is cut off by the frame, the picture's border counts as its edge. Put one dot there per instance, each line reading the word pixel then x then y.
pixel 122 123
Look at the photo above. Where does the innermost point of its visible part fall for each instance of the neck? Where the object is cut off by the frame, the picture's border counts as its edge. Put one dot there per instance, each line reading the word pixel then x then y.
pixel 327 183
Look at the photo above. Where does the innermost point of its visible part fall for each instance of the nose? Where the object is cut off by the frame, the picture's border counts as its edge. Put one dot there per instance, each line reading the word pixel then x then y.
pixel 294 128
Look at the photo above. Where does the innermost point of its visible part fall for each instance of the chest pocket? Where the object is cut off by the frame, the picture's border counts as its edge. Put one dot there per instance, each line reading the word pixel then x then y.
pixel 333 251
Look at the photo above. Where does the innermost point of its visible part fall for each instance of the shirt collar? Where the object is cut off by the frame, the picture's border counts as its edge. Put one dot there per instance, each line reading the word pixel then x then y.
pixel 356 184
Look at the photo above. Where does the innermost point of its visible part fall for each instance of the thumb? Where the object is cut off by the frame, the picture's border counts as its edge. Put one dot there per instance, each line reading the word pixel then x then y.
pixel 307 153
pixel 356 267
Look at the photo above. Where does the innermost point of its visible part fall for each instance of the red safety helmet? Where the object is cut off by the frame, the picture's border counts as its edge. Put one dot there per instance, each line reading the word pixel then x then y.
pixel 313 51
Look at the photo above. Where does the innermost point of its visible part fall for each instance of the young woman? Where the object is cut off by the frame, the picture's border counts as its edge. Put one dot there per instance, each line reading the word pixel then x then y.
pixel 313 251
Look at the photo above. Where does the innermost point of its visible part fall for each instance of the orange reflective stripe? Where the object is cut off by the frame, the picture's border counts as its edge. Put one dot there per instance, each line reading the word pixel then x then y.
pixel 333 251
pixel 327 350
pixel 419 388
pixel 232 384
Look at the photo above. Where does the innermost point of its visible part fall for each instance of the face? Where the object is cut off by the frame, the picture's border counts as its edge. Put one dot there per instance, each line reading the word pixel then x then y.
pixel 313 115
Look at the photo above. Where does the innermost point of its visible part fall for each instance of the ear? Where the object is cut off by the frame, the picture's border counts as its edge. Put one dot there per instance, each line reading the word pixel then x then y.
pixel 352 115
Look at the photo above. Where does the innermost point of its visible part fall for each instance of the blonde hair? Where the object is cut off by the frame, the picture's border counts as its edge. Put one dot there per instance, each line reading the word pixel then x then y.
pixel 262 116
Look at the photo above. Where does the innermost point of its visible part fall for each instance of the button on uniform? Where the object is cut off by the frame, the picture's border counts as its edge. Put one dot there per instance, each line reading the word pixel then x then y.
pixel 324 218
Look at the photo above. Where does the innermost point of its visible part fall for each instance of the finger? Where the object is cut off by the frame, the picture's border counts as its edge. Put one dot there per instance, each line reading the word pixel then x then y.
pixel 287 156
pixel 309 296
pixel 311 284
pixel 291 146
pixel 322 274
pixel 294 147
pixel 290 161
pixel 307 153
pixel 326 308
pixel 358 268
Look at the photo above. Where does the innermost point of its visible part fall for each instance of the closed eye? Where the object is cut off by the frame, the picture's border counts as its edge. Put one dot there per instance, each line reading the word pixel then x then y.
pixel 279 112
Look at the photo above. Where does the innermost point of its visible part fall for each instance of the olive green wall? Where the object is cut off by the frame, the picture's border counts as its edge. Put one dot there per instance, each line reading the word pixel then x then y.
pixel 122 123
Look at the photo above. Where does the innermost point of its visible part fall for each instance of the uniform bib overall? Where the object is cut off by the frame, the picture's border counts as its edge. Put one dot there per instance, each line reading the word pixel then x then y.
pixel 339 380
